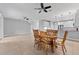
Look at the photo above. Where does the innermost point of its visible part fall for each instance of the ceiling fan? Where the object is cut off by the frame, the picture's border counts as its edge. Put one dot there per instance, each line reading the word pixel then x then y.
pixel 43 8
pixel 28 20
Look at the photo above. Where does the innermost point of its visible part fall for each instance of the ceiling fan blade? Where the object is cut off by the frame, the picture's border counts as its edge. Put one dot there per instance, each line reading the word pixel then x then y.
pixel 40 11
pixel 38 8
pixel 47 7
pixel 45 10
pixel 42 6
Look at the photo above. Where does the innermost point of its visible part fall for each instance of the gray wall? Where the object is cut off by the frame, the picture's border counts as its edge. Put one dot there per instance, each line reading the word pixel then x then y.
pixel 13 27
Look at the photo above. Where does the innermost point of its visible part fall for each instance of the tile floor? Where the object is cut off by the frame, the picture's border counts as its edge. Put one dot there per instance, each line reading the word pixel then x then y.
pixel 23 45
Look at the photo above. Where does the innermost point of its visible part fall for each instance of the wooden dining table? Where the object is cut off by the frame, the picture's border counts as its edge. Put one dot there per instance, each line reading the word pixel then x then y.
pixel 52 41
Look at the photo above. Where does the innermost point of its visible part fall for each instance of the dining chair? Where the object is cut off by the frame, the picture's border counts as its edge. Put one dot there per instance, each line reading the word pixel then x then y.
pixel 61 42
pixel 42 33
pixel 47 41
pixel 36 36
pixel 53 33
pixel 42 39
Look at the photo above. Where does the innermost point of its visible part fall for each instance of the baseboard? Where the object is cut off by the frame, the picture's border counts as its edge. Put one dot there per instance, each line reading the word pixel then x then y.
pixel 0 38
pixel 23 34
pixel 10 35
pixel 73 40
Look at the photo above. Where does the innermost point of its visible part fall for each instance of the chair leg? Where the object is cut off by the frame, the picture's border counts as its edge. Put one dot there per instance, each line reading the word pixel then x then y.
pixel 63 50
pixel 34 45
pixel 46 50
pixel 39 46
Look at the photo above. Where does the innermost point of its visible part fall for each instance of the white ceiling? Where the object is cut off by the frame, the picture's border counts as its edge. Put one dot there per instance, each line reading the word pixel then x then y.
pixel 20 10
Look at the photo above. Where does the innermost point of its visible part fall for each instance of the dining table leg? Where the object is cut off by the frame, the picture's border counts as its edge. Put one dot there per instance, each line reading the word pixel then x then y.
pixel 53 45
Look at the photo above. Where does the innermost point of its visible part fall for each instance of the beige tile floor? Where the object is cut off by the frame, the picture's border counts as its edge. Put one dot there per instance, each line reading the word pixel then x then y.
pixel 23 45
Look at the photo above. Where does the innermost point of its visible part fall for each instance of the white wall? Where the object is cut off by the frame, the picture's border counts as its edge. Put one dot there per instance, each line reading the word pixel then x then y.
pixel 35 24
pixel 77 18
pixel 1 26
pixel 13 27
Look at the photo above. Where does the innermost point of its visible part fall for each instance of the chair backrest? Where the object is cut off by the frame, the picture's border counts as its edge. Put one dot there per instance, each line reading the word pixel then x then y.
pixel 65 37
pixel 49 30
pixel 52 32
pixel 42 33
pixel 36 33
pixel 55 32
